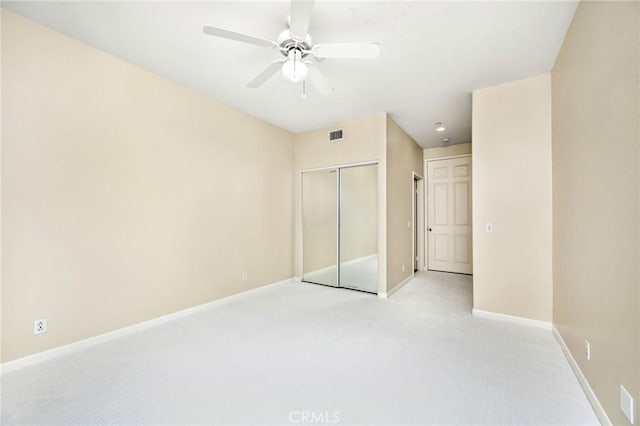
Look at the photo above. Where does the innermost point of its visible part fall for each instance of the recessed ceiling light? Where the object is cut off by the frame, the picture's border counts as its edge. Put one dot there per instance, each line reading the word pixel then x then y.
pixel 446 140
pixel 439 126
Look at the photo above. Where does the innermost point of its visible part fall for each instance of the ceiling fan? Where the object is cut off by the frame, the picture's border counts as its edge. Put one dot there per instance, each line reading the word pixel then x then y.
pixel 296 47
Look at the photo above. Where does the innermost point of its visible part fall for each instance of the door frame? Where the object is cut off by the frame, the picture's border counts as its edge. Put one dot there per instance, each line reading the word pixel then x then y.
pixel 381 219
pixel 418 220
pixel 426 201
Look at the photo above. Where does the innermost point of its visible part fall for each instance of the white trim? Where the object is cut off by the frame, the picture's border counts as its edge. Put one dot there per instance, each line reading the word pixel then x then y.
pixel 110 335
pixel 584 383
pixel 340 166
pixel 338 224
pixel 348 262
pixel 359 259
pixel 510 318
pixel 396 288
pixel 418 221
pixel 402 284
pixel 448 157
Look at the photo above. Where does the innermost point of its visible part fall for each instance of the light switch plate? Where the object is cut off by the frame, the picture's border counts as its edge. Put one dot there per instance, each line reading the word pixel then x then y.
pixel 489 228
pixel 587 350
pixel 626 404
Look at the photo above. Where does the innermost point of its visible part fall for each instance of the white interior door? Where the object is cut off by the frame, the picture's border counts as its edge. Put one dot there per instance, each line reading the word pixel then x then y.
pixel 449 215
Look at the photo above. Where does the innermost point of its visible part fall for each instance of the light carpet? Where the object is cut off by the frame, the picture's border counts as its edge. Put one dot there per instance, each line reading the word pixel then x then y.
pixel 297 353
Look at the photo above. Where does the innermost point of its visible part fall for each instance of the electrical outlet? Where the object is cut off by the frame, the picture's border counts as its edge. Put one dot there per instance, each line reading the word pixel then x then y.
pixel 40 326
pixel 245 276
pixel 626 404
pixel 587 350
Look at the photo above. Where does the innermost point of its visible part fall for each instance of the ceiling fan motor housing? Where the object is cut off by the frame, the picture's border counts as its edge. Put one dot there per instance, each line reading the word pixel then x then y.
pixel 288 43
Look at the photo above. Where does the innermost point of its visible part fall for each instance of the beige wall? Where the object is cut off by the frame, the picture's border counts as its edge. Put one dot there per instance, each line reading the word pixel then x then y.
pixel 364 140
pixel 595 197
pixel 404 157
pixel 512 190
pixel 446 151
pixel 126 196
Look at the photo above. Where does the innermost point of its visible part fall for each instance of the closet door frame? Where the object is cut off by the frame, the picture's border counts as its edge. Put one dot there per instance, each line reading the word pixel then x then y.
pixel 301 211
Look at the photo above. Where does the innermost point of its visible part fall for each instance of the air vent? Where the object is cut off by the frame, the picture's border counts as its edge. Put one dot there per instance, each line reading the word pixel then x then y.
pixel 336 135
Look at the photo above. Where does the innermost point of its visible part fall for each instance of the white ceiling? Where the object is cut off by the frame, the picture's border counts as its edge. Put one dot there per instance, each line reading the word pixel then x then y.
pixel 433 54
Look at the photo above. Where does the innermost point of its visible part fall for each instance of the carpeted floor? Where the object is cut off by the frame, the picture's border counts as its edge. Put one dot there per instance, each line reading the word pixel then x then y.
pixel 297 353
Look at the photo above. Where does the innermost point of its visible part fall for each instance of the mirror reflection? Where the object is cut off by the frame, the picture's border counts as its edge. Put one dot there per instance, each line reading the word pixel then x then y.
pixel 340 227
pixel 359 227
pixel 319 226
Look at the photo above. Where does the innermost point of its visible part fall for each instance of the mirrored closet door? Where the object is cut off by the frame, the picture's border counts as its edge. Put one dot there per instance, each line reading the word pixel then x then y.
pixel 340 227
pixel 319 224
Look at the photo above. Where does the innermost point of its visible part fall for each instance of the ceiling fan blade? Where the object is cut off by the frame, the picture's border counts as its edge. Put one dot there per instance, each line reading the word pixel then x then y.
pixel 232 35
pixel 346 50
pixel 265 75
pixel 299 18
pixel 318 80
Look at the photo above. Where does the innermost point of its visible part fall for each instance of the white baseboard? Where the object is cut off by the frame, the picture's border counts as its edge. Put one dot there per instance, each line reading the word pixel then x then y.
pixel 101 338
pixel 584 383
pixel 360 259
pixel 396 288
pixel 333 267
pixel 510 318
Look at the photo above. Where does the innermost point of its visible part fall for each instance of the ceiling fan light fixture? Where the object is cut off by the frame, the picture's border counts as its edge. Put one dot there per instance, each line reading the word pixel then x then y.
pixel 294 69
pixel 295 44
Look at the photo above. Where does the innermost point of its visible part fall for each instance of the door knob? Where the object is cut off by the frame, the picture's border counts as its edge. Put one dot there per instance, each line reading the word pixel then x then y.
pixel 429 229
